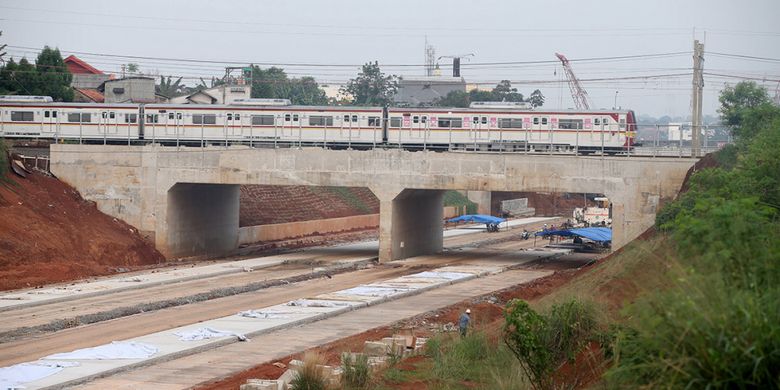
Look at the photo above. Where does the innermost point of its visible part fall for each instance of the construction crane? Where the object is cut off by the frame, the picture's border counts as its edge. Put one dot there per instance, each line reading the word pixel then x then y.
pixel 456 62
pixel 577 92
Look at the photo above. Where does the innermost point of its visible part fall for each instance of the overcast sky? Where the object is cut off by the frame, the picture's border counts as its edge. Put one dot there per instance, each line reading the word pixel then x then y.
pixel 323 34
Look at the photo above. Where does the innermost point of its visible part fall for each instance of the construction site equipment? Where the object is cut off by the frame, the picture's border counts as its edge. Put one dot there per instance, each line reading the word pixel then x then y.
pixel 578 93
pixel 594 216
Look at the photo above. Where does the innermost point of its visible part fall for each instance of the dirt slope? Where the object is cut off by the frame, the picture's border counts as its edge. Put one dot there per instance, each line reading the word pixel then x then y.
pixel 261 205
pixel 48 233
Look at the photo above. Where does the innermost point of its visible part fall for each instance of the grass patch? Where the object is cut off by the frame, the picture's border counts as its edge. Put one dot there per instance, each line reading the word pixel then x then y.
pixel 357 373
pixel 455 198
pixel 310 377
pixel 349 197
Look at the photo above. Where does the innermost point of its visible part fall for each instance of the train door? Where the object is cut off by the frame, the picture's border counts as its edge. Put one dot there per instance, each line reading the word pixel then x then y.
pixel 480 127
pixel 233 126
pixel 107 124
pixel 350 125
pixel 291 124
pixel 173 124
pixel 419 126
pixel 51 122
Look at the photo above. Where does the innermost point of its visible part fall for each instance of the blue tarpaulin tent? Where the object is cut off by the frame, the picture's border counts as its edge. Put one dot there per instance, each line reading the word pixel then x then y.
pixel 477 218
pixel 598 234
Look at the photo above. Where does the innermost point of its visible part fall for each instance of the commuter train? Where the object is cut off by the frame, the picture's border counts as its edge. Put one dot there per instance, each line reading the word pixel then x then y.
pixel 483 126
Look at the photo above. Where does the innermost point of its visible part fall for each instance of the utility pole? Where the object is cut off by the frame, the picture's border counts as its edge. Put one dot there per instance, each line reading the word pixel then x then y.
pixel 698 88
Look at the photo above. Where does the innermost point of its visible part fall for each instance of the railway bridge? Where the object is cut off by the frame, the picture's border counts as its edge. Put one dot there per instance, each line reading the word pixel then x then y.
pixel 188 198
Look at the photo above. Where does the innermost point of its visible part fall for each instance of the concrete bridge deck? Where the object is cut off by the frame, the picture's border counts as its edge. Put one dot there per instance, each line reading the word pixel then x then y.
pixel 188 198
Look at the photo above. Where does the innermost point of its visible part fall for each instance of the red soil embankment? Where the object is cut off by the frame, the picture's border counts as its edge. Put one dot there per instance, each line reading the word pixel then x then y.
pixel 49 233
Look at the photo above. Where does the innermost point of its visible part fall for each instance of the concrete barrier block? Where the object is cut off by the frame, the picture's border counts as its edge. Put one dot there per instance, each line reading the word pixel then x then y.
pixel 285 379
pixel 260 384
pixel 375 348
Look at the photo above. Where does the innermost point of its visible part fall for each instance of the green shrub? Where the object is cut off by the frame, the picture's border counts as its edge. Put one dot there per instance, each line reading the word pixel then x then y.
pixel 357 373
pixel 703 334
pixel 542 343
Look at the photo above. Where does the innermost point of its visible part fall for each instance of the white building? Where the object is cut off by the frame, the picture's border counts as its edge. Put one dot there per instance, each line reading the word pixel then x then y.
pixel 222 94
pixel 679 131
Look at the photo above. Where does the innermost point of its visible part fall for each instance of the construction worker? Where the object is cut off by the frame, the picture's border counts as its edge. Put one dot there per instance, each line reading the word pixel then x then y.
pixel 463 323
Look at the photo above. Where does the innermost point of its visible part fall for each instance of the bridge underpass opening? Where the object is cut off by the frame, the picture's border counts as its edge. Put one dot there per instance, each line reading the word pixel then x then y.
pixel 411 224
pixel 202 219
pixel 289 215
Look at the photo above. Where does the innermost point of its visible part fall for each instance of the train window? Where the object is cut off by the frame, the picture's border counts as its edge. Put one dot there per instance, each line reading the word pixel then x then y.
pixel 209 119
pixel 395 122
pixel 450 122
pixel 178 116
pixel 536 120
pixel 597 121
pixel 229 116
pixel 354 118
pixel 510 123
pixel 171 116
pixel 346 118
pixel 263 120
pixel 572 124
pixel 54 114
pixel 605 121
pixel 373 121
pixel 152 118
pixel 286 117
pixel 544 121
pixel 22 116
pixel 111 115
pixel 131 118
pixel 295 117
pixel 73 117
pixel 197 119
pixel 318 120
pixel 424 119
pixel 475 120
pixel 416 119
pixel 237 116
pixel 104 115
pixel 46 114
pixel 86 117
pixel 484 120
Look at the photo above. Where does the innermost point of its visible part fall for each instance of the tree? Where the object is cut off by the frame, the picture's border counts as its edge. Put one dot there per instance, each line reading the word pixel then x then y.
pixel 536 99
pixel 745 107
pixel 272 83
pixel 454 99
pixel 132 68
pixel 505 93
pixel 19 79
pixel 267 83
pixel 53 77
pixel 371 87
pixel 168 87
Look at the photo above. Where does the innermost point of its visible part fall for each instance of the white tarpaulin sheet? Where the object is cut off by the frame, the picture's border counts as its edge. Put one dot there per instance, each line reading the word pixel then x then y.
pixel 207 333
pixel 318 303
pixel 269 314
pixel 115 350
pixel 440 275
pixel 372 291
pixel 14 377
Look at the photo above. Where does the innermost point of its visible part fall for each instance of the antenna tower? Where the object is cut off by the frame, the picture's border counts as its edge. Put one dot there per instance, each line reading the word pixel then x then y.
pixel 430 58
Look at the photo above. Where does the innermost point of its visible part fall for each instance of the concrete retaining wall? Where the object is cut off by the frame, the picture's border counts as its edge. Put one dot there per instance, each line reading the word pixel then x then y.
pixel 282 231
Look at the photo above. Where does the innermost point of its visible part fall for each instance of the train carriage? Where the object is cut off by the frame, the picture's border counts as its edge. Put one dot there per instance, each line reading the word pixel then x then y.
pixel 484 126
pixel 31 118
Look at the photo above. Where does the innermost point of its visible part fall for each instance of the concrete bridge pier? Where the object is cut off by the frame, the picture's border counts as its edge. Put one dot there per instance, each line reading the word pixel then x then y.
pixel 202 219
pixel 410 222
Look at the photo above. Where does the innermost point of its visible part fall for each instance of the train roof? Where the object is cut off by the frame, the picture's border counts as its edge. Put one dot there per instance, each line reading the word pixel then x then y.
pixel 422 110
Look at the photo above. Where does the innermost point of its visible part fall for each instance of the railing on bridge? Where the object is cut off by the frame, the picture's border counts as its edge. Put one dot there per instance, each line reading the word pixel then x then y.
pixel 654 140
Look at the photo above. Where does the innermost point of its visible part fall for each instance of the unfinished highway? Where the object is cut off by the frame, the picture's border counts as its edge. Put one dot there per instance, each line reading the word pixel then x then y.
pixel 319 271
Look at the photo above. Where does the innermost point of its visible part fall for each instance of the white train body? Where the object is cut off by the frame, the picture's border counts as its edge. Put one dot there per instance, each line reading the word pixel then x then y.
pixel 483 128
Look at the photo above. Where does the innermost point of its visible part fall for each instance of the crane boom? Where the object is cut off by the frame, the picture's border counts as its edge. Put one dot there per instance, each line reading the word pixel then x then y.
pixel 578 93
